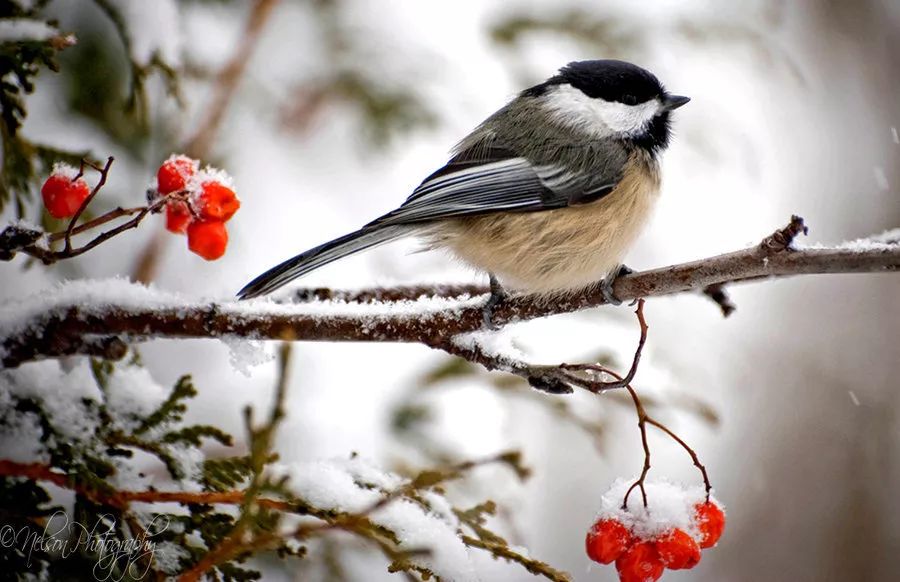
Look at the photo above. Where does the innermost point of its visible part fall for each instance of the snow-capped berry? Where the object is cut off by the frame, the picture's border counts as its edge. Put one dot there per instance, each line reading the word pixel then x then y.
pixel 607 540
pixel 178 217
pixel 207 238
pixel 711 523
pixel 216 201
pixel 678 550
pixel 174 174
pixel 640 563
pixel 63 196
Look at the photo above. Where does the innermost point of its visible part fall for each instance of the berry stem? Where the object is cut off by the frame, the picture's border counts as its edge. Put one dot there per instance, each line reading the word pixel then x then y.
pixel 620 382
pixel 100 220
pixel 643 418
pixel 687 448
pixel 104 172
pixel 642 426
pixel 106 235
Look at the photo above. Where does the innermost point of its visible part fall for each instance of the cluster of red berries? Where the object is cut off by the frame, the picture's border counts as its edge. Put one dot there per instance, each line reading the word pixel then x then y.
pixel 199 204
pixel 645 560
pixel 64 191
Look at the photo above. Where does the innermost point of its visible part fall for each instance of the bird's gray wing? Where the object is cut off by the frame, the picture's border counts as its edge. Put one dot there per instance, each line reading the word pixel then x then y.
pixel 479 180
pixel 483 180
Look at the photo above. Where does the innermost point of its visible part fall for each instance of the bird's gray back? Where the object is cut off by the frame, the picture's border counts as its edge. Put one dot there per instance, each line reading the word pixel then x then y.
pixel 528 133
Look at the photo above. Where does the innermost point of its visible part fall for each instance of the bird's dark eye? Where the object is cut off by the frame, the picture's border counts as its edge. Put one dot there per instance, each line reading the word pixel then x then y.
pixel 629 100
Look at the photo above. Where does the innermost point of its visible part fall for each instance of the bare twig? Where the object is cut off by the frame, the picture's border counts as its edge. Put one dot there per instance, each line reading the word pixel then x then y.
pixel 643 420
pixel 690 451
pixel 554 379
pixel 95 222
pixel 642 426
pixel 17 239
pixel 48 257
pixel 621 382
pixel 104 173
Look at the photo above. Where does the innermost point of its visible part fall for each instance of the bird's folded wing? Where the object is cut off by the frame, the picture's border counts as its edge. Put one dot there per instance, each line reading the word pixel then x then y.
pixel 494 180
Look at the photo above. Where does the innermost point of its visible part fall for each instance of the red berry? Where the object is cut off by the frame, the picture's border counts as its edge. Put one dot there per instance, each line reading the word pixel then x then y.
pixel 207 238
pixel 178 217
pixel 606 541
pixel 678 550
pixel 711 521
pixel 217 201
pixel 63 197
pixel 640 563
pixel 174 173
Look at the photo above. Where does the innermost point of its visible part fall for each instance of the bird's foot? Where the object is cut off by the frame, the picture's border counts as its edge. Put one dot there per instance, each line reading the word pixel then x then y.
pixel 606 286
pixel 498 295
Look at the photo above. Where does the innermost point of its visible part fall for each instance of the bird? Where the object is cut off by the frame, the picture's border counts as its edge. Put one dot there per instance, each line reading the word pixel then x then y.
pixel 546 195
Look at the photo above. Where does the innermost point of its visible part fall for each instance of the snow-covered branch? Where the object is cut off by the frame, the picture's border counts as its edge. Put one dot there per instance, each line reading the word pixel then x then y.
pixel 88 317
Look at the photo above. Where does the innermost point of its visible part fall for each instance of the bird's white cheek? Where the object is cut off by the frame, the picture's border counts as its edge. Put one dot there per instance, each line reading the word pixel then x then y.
pixel 625 118
pixel 600 118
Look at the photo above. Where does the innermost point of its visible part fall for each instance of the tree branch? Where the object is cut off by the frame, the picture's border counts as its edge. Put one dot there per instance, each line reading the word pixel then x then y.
pixel 60 324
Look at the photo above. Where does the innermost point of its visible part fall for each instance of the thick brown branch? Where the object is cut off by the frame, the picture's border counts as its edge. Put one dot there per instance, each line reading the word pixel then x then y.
pixel 60 326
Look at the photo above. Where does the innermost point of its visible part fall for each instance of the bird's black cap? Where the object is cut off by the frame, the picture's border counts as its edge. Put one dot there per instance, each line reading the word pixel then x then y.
pixel 607 79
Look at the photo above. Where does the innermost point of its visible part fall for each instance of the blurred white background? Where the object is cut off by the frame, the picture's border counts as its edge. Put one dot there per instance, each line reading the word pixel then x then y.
pixel 794 110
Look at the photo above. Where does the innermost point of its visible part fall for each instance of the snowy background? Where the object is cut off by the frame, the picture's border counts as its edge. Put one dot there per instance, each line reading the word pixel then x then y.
pixel 793 110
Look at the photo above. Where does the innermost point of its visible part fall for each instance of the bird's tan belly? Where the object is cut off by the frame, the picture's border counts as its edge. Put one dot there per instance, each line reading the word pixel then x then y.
pixel 554 250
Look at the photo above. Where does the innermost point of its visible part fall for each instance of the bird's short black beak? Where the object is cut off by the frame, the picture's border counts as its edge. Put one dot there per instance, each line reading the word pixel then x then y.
pixel 670 102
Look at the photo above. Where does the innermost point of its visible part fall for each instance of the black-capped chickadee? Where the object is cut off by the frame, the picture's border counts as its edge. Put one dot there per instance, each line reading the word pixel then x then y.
pixel 546 195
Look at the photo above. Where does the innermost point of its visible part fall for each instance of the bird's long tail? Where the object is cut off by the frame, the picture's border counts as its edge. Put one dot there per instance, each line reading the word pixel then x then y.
pixel 319 256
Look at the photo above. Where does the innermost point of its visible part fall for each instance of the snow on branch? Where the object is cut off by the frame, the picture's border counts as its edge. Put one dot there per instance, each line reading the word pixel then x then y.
pixel 99 318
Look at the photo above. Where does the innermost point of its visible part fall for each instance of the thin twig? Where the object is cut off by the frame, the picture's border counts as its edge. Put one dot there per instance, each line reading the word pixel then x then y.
pixel 555 379
pixel 622 382
pixel 49 256
pixel 105 236
pixel 642 426
pixel 687 448
pixel 95 222
pixel 104 173
pixel 643 420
